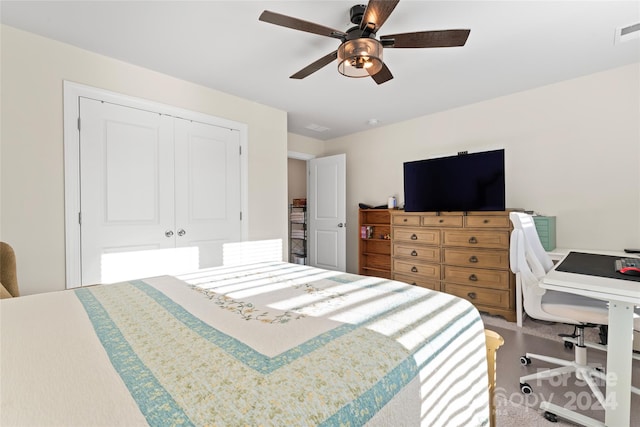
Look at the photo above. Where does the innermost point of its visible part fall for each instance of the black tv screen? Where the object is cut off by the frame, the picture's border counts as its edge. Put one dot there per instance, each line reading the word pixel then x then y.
pixel 466 182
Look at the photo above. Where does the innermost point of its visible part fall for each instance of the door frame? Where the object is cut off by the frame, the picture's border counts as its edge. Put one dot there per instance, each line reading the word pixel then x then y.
pixel 72 92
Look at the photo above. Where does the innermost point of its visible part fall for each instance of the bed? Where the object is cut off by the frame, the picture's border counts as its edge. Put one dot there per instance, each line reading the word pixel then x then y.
pixel 270 344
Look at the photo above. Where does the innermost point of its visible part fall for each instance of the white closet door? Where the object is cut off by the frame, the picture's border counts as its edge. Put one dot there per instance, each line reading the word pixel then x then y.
pixel 127 189
pixel 207 165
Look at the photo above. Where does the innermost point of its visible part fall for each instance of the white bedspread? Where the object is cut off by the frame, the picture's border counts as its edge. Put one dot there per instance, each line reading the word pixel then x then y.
pixel 266 344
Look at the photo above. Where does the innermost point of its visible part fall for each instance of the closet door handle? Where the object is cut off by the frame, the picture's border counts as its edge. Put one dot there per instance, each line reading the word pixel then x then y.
pixel 181 232
pixel 168 233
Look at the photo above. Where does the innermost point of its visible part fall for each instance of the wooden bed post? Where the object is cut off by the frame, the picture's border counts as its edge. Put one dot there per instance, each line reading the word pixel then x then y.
pixel 493 342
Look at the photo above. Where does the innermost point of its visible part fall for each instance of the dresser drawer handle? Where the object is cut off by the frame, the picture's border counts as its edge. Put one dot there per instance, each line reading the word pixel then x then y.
pixel 414 269
pixel 441 220
pixel 414 284
pixel 473 278
pixel 473 259
pixel 404 220
pixel 414 237
pixel 472 295
pixel 414 253
pixel 473 240
pixel 486 221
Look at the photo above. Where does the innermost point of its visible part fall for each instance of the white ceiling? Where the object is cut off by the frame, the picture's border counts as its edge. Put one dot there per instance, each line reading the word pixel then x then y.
pixel 513 46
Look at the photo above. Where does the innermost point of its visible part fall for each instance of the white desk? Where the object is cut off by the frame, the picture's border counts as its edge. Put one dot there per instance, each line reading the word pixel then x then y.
pixel 556 255
pixel 622 295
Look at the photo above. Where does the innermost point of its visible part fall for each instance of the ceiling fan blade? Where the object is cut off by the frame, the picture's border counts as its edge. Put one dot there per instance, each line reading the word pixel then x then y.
pixel 441 38
pixel 383 75
pixel 299 24
pixel 376 14
pixel 315 66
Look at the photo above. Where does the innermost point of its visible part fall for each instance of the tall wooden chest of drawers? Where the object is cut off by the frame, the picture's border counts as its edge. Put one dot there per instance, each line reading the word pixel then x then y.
pixel 461 253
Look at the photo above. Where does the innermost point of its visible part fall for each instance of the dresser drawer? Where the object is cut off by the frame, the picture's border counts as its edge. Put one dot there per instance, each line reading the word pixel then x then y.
pixel 483 278
pixel 487 221
pixel 408 220
pixel 418 281
pixel 475 238
pixel 417 235
pixel 417 252
pixel 479 296
pixel 442 221
pixel 476 258
pixel 425 270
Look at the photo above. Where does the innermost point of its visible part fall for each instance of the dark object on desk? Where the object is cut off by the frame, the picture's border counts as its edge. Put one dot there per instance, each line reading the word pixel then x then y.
pixel 630 266
pixel 593 265
pixel 632 251
pixel 365 206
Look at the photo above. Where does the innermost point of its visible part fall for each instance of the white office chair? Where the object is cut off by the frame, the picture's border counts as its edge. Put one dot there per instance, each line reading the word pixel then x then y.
pixel 529 261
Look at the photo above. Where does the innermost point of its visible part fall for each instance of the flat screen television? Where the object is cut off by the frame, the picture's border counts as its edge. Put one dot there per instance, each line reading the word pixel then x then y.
pixel 465 182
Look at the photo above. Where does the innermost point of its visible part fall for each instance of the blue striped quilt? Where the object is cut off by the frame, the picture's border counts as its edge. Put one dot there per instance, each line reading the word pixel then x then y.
pixel 286 345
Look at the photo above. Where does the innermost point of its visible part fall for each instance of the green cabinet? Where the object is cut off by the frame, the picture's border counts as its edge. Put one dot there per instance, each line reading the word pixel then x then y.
pixel 546 227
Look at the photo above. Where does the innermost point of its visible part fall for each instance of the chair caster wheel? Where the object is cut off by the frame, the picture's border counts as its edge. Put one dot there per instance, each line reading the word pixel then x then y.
pixel 568 345
pixel 524 361
pixel 525 388
pixel 550 417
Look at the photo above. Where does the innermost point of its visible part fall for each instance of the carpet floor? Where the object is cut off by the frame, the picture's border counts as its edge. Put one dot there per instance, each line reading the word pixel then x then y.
pixel 517 409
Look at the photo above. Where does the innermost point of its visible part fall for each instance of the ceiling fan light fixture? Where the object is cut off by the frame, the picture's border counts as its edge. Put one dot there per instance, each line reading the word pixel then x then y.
pixel 360 57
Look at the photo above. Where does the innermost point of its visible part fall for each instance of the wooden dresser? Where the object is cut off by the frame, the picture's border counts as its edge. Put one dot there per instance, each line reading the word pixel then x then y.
pixel 460 253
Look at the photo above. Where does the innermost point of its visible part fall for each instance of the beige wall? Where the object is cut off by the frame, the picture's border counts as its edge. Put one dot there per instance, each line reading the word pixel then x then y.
pixel 32 186
pixel 303 144
pixel 572 150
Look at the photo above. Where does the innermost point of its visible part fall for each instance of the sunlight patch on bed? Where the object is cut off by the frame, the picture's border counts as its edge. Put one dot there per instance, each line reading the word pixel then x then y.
pixel 241 253
pixel 121 266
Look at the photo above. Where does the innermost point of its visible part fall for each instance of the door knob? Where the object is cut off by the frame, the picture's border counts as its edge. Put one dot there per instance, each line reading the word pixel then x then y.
pixel 168 233
pixel 341 225
pixel 181 232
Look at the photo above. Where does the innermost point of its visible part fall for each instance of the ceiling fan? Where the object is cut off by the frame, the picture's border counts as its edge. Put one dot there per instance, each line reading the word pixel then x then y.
pixel 360 52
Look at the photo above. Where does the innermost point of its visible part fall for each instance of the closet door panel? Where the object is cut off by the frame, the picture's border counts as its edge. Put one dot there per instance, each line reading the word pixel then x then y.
pixel 126 194
pixel 207 177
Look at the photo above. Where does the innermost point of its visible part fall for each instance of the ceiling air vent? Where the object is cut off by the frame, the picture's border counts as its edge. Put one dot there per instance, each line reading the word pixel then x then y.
pixel 627 33
pixel 316 127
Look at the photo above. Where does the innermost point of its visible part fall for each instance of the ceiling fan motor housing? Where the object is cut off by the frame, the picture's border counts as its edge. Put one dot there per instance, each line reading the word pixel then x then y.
pixel 356 13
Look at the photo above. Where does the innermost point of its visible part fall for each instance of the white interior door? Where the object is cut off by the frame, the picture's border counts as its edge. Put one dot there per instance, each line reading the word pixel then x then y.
pixel 127 186
pixel 207 189
pixel 327 212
